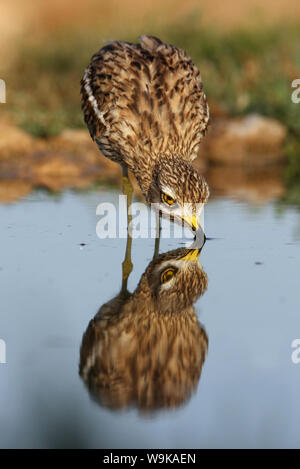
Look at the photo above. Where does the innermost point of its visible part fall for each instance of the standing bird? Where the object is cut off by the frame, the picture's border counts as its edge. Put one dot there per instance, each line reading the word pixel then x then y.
pixel 145 107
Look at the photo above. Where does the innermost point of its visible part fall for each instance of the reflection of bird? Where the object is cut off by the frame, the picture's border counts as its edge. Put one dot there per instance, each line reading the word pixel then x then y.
pixel 145 107
pixel 146 349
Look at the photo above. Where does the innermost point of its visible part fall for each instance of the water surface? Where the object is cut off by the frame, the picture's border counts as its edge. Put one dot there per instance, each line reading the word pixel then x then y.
pixel 51 287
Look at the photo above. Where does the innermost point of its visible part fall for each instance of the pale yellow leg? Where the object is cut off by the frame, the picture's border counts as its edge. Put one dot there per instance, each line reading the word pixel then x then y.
pixel 127 264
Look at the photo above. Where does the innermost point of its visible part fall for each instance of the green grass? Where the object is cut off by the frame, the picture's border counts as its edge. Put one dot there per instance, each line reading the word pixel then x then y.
pixel 246 71
pixel 243 71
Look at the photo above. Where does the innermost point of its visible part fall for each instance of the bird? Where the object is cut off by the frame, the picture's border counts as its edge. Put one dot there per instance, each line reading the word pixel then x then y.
pixel 145 108
pixel 146 349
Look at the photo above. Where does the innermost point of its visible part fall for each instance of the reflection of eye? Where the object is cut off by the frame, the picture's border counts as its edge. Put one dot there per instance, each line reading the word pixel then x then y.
pixel 167 199
pixel 167 275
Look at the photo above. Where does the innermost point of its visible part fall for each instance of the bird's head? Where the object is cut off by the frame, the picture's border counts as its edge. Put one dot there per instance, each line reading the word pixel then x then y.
pixel 178 191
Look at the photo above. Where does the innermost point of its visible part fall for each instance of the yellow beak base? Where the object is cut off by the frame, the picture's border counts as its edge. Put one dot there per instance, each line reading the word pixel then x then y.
pixel 192 255
pixel 192 222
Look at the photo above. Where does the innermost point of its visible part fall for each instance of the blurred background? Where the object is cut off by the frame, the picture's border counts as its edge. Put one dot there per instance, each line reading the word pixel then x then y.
pixel 248 53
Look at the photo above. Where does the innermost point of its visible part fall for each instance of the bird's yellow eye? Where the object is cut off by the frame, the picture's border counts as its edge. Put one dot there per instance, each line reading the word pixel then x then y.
pixel 167 199
pixel 167 275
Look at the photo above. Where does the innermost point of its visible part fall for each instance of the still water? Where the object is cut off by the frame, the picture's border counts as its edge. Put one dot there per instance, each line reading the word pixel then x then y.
pixel 127 379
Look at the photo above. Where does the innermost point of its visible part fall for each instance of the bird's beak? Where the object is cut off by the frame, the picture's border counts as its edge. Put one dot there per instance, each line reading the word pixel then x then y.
pixel 192 255
pixel 192 221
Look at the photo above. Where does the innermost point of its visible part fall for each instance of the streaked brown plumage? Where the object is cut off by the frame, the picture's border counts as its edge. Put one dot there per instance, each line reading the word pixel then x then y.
pixel 145 107
pixel 146 349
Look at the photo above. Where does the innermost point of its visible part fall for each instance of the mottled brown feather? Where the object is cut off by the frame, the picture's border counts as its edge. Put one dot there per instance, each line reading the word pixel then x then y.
pixel 142 102
pixel 147 348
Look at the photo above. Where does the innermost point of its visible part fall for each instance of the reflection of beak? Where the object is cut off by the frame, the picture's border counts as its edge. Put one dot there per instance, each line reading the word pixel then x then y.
pixel 192 221
pixel 192 255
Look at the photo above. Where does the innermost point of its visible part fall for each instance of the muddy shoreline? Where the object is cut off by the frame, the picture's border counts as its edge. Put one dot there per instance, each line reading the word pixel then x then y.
pixel 240 157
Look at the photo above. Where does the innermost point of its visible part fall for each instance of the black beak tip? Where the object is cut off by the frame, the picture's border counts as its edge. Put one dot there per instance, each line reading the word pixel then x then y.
pixel 199 239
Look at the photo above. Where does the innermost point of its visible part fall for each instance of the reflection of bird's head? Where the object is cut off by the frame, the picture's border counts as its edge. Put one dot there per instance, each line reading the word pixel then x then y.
pixel 178 191
pixel 148 349
pixel 175 281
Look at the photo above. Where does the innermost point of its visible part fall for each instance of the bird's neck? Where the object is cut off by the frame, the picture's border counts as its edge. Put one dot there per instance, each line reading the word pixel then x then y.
pixel 143 171
pixel 145 166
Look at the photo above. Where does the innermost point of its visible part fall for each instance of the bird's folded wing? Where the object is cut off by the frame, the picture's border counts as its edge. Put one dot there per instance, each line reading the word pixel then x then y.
pixel 145 97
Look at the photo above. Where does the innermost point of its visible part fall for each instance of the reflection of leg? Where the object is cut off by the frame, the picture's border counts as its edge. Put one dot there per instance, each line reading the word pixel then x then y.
pixel 157 237
pixel 127 264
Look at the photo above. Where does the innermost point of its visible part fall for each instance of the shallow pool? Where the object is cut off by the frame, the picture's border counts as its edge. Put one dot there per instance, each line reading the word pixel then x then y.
pixel 56 274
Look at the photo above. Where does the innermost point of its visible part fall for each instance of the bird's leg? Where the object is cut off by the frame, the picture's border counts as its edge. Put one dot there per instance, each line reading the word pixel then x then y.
pixel 127 188
pixel 157 236
pixel 127 264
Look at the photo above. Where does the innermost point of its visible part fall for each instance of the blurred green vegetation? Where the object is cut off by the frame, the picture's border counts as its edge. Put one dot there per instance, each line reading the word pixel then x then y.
pixel 292 172
pixel 243 71
pixel 252 71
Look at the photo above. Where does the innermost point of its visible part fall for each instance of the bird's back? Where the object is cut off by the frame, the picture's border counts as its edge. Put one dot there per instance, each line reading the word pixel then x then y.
pixel 144 98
